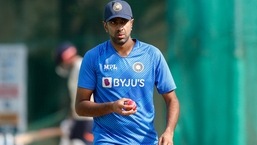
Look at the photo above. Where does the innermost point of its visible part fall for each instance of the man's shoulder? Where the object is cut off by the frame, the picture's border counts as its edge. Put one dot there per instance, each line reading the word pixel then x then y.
pixel 98 48
pixel 144 46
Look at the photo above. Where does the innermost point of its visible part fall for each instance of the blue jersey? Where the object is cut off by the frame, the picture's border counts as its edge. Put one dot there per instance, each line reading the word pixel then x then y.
pixel 113 77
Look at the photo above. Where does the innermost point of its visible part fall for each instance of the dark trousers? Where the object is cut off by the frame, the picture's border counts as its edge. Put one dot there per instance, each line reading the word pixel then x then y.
pixel 82 129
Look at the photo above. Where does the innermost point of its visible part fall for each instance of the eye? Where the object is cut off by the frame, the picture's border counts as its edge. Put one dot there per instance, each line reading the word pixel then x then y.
pixel 112 22
pixel 123 21
pixel 115 22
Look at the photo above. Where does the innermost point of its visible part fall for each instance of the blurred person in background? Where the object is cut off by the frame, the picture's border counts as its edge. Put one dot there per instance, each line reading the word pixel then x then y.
pixel 75 128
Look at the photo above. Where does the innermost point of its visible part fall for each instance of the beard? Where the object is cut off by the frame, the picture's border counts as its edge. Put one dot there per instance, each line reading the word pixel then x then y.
pixel 119 41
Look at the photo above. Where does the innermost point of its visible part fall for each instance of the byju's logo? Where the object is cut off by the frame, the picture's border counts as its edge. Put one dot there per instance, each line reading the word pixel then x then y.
pixel 107 82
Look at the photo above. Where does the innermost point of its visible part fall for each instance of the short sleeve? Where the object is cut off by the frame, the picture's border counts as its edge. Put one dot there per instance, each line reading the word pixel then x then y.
pixel 87 75
pixel 163 78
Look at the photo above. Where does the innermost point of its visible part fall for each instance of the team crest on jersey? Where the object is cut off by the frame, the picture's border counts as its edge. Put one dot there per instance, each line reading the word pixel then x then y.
pixel 138 67
pixel 107 82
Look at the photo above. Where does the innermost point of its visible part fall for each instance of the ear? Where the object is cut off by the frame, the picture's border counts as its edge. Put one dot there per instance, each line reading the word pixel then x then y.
pixel 132 22
pixel 105 26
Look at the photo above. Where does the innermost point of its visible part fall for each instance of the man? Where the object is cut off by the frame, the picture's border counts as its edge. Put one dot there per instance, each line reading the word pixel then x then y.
pixel 122 73
pixel 68 65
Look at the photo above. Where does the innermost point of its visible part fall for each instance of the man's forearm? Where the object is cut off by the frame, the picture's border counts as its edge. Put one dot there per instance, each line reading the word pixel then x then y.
pixel 173 110
pixel 92 109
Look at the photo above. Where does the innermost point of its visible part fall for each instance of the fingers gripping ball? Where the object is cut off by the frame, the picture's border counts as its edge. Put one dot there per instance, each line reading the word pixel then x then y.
pixel 131 105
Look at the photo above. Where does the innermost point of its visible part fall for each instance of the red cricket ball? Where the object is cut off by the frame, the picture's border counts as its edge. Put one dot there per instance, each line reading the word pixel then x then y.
pixel 131 102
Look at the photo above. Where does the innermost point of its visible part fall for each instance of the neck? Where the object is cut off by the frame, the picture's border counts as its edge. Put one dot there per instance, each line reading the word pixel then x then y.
pixel 74 59
pixel 125 48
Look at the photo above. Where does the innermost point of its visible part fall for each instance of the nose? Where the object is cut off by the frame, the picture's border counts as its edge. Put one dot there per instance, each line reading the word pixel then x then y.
pixel 120 27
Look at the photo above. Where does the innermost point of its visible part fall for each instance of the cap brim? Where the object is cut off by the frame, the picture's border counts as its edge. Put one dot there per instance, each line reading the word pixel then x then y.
pixel 119 16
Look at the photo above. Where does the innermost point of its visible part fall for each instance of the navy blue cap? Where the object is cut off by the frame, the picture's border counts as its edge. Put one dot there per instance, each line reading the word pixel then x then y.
pixel 60 50
pixel 117 8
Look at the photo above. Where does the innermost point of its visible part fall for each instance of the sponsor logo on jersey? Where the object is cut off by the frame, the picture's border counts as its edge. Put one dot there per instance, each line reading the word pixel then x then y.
pixel 110 67
pixel 108 82
pixel 138 67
